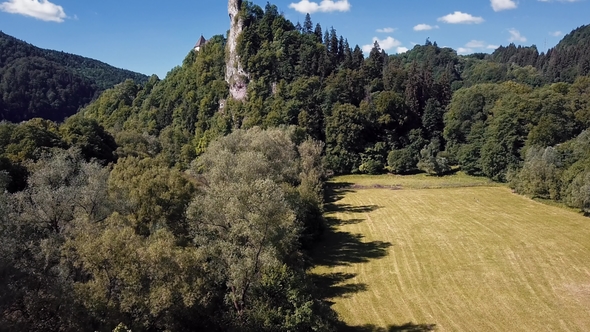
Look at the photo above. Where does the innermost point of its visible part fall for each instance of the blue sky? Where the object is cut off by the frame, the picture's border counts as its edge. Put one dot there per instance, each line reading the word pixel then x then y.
pixel 154 36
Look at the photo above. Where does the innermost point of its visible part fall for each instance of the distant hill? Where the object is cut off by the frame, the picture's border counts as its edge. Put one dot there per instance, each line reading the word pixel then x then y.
pixel 578 37
pixel 569 59
pixel 36 82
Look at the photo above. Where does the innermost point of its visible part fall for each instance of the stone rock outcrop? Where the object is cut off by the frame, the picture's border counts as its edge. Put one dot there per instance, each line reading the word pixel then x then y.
pixel 235 75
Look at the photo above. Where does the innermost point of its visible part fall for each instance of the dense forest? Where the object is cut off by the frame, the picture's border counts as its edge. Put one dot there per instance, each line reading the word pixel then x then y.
pixel 48 84
pixel 168 205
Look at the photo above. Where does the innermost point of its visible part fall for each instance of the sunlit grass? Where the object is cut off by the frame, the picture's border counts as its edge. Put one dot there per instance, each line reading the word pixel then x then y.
pixel 418 181
pixel 466 258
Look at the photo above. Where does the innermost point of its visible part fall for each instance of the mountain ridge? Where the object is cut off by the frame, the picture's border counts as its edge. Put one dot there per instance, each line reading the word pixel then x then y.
pixel 37 82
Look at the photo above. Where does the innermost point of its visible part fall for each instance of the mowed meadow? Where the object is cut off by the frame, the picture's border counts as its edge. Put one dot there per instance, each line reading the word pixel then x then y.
pixel 455 253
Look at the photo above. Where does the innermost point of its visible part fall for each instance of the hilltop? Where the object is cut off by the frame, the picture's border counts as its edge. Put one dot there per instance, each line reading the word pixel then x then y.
pixel 202 201
pixel 36 82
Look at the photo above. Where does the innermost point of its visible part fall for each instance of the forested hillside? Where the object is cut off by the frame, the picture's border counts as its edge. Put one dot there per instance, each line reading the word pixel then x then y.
pixel 428 104
pixel 563 63
pixel 168 205
pixel 36 82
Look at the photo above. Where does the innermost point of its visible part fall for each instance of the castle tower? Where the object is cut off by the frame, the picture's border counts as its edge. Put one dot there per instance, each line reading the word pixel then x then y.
pixel 202 41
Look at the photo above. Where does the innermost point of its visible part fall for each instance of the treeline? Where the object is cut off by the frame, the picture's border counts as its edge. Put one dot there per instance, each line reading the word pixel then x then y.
pixel 427 109
pixel 560 173
pixel 167 206
pixel 139 245
pixel 563 63
pixel 53 85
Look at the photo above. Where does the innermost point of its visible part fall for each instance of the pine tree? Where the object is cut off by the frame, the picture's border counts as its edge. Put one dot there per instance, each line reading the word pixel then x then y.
pixel 340 49
pixel 347 57
pixel 357 57
pixel 318 33
pixel 298 27
pixel 375 62
pixel 307 25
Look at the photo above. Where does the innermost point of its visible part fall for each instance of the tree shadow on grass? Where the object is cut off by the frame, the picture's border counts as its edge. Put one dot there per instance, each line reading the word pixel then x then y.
pixel 351 208
pixel 335 192
pixel 340 248
pixel 333 285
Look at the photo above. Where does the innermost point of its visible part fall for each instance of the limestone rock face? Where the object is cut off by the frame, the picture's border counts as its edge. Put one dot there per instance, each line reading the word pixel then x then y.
pixel 235 75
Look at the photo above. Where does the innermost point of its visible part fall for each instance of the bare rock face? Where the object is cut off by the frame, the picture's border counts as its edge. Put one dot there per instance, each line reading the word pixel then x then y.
pixel 235 75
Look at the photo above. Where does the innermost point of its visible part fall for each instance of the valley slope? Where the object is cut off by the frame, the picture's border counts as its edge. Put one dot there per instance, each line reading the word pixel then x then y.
pixel 36 82
pixel 456 253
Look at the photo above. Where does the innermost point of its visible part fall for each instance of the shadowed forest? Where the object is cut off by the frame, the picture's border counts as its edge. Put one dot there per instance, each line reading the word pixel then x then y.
pixel 164 204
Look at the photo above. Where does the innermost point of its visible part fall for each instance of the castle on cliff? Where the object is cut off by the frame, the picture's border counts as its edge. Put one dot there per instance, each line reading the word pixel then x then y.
pixel 200 43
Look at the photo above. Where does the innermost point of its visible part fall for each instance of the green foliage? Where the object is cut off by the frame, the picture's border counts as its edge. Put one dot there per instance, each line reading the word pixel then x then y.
pixel 371 166
pixel 402 161
pixel 308 204
pixel 101 74
pixel 541 173
pixel 284 304
pixel 431 162
pixel 145 282
pixel 248 220
pixel 576 191
pixel 134 144
pixel 90 137
pixel 118 248
pixel 579 99
pixel 48 84
pixel 487 126
pixel 151 195
pixel 184 111
pixel 563 63
pixel 468 107
pixel 344 138
pixel 37 293
pixel 198 218
pixel 29 140
pixel 246 227
pixel 35 87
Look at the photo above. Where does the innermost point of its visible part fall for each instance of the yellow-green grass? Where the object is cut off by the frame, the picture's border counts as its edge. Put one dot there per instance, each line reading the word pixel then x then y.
pixel 419 181
pixel 464 258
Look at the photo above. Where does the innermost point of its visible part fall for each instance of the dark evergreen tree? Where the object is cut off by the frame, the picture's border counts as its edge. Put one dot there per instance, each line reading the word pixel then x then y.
pixel 318 33
pixel 357 57
pixel 308 25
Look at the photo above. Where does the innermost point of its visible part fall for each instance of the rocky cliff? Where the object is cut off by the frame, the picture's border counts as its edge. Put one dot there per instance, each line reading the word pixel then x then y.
pixel 235 75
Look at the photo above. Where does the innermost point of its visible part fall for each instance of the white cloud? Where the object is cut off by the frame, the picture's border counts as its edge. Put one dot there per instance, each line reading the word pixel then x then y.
pixel 386 30
pixel 389 43
pixel 475 44
pixel 39 9
pixel 464 50
pixel 461 18
pixel 385 44
pixel 325 6
pixel 425 27
pixel 402 49
pixel 515 36
pixel 556 33
pixel 499 5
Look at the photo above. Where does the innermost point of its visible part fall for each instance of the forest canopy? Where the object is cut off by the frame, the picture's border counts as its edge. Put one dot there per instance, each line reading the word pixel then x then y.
pixel 48 84
pixel 164 204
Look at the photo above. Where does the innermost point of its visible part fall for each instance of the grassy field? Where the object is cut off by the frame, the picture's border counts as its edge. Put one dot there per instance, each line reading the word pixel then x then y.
pixel 460 255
